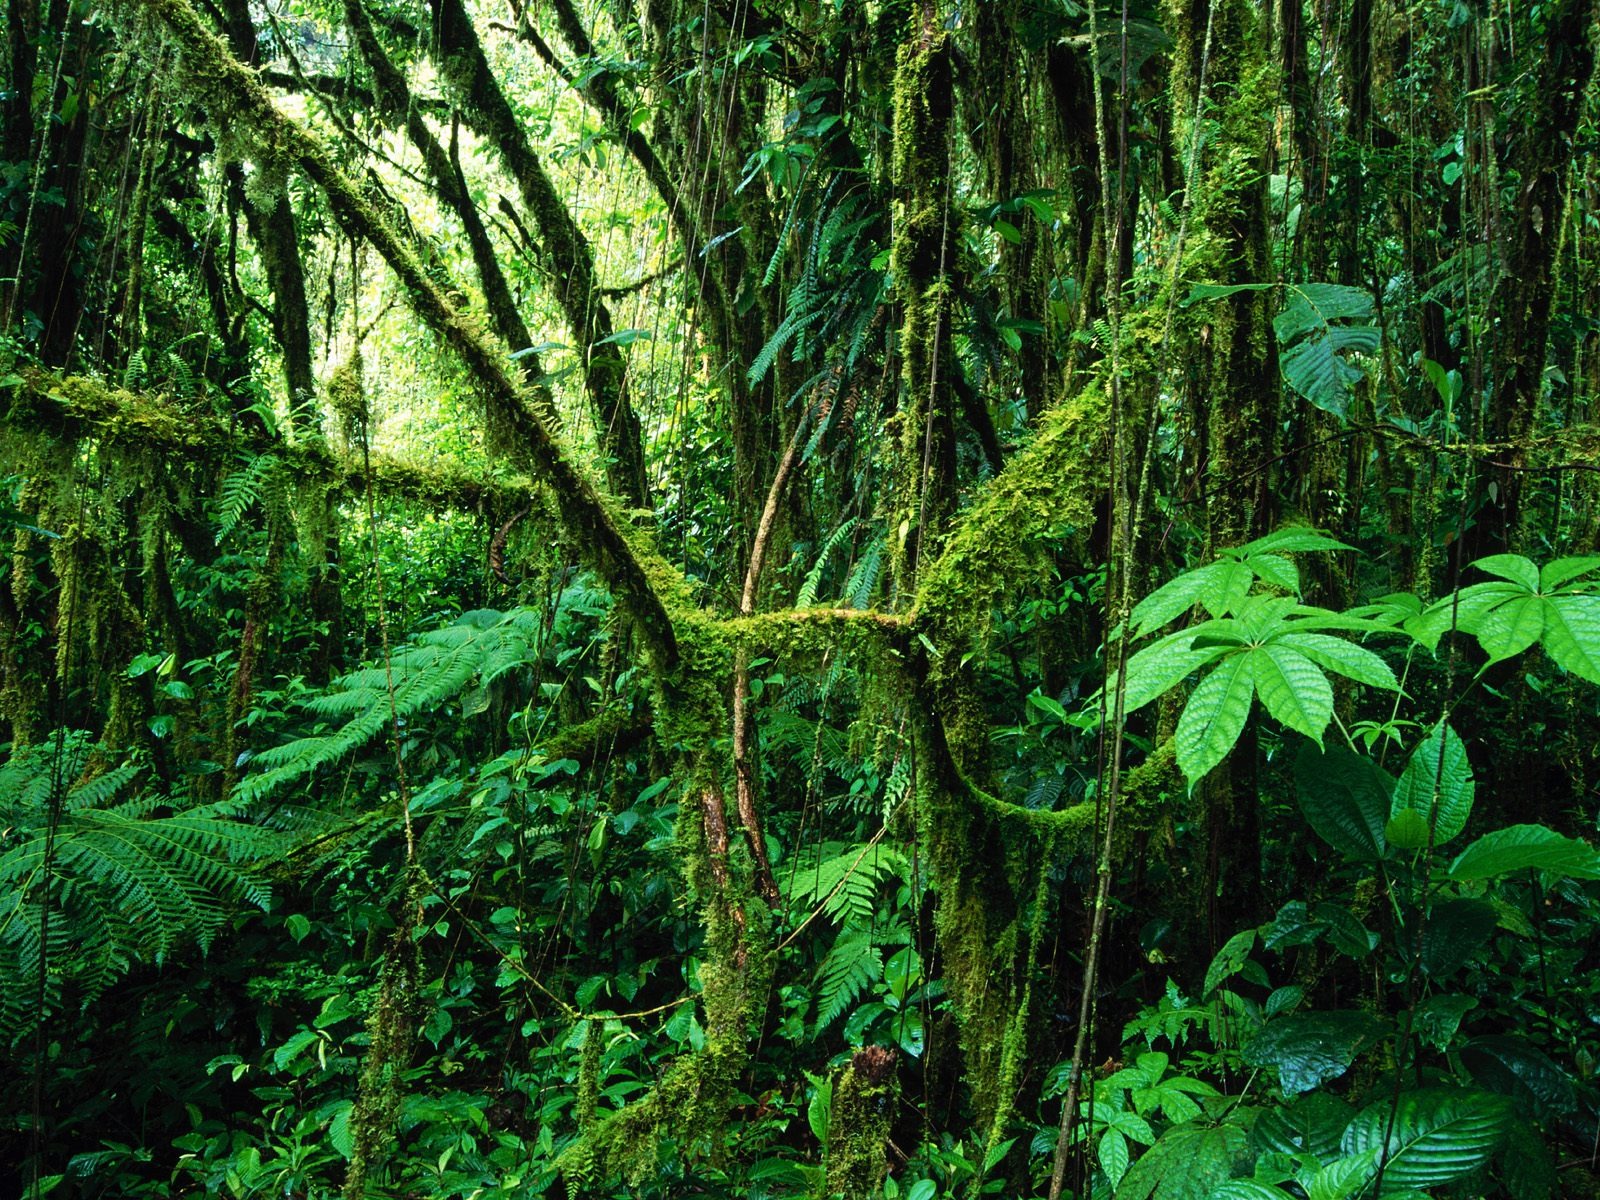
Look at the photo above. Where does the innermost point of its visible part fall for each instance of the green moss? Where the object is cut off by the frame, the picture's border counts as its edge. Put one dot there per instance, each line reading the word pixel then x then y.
pixel 858 1125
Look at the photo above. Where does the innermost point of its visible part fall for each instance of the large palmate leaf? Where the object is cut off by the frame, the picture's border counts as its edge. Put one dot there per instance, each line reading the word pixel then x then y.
pixel 1556 606
pixel 1436 786
pixel 1434 1135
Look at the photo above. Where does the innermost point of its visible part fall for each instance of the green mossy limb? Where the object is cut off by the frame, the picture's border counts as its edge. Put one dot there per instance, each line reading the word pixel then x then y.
pixel 858 1126
pixel 926 230
pixel 999 543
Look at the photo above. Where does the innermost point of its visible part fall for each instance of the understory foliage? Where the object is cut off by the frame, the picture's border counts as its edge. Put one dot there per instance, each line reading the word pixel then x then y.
pixel 901 599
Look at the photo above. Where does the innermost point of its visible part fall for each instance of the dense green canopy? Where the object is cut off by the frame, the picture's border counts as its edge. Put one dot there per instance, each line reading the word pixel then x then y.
pixel 659 599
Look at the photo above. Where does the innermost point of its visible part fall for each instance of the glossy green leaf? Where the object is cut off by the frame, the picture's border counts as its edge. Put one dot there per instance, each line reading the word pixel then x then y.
pixel 1345 799
pixel 1342 657
pixel 1434 1135
pixel 1438 1018
pixel 1312 1125
pixel 1343 1178
pixel 1454 931
pixel 1435 786
pixel 1308 1049
pixel 1293 689
pixel 1189 1162
pixel 1214 717
pixel 1158 668
pixel 1564 570
pixel 1177 596
pixel 1515 567
pixel 1522 848
pixel 1276 570
pixel 1516 1068
pixel 1510 628
pixel 1113 1155
pixel 1572 634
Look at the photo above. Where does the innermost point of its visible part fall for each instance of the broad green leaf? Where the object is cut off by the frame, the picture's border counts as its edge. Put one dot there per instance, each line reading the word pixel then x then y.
pixel 1572 634
pixel 1345 933
pixel 1522 848
pixel 1440 759
pixel 1276 570
pixel 1455 931
pixel 1293 689
pixel 1262 617
pixel 1437 1134
pixel 1343 1178
pixel 1564 570
pixel 1214 717
pixel 339 1133
pixel 1248 1189
pixel 1312 1125
pixel 1113 1155
pixel 1395 608
pixel 1289 539
pixel 1173 598
pixel 1221 291
pixel 1345 799
pixel 1345 658
pixel 1284 999
pixel 1157 669
pixel 1307 1049
pixel 1315 369
pixel 1189 1162
pixel 1515 1068
pixel 1510 628
pixel 1438 1018
pixel 1514 567
pixel 1463 610
pixel 1228 960
pixel 1225 586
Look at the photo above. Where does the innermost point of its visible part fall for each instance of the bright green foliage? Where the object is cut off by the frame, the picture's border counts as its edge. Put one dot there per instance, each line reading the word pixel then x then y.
pixel 1557 606
pixel 131 876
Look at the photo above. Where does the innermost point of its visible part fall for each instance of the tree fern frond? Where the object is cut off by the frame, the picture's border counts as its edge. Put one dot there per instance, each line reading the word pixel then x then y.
pixel 130 879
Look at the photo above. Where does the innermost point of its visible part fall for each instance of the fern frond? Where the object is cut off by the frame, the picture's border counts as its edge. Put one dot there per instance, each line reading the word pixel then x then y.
pixel 129 881
pixel 435 669
pixel 852 965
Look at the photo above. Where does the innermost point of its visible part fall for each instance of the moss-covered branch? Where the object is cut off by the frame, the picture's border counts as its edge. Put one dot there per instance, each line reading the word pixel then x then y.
pixel 73 408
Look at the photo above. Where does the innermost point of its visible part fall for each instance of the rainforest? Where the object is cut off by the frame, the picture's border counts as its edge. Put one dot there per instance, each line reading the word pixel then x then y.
pixel 860 599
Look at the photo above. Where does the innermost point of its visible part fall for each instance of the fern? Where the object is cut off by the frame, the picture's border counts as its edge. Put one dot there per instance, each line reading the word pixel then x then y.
pixel 813 579
pixel 844 881
pixel 864 575
pixel 243 488
pixel 129 879
pixel 436 668
pixel 852 965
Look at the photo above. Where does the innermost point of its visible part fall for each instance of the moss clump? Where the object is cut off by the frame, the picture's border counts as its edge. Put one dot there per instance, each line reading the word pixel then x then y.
pixel 858 1127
